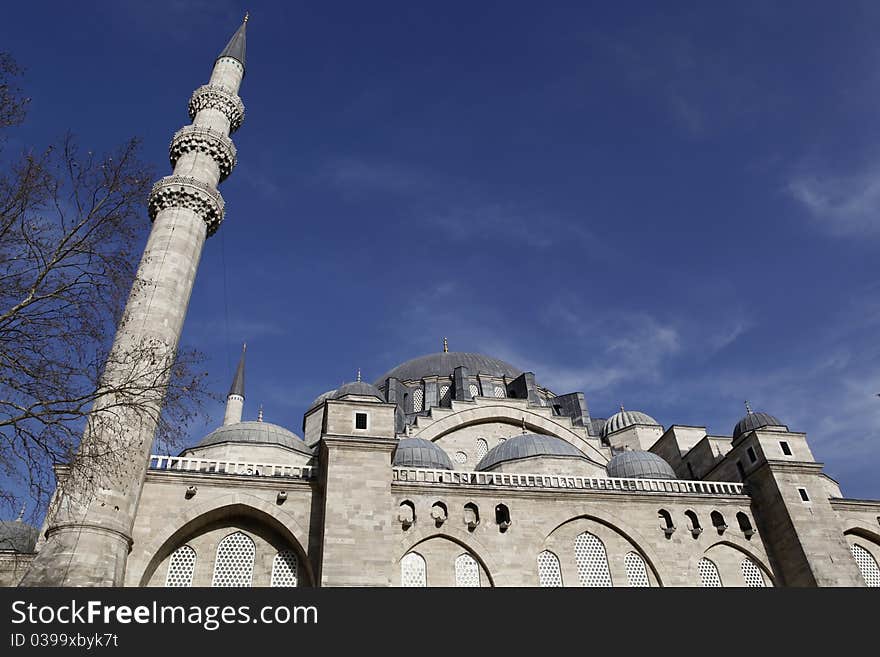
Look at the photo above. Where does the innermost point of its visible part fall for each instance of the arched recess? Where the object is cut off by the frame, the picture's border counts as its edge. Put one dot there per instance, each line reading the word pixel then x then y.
pixel 727 555
pixel 462 544
pixel 180 531
pixel 508 415
pixel 618 538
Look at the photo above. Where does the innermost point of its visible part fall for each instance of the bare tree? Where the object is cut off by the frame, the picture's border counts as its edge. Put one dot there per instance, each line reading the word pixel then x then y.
pixel 70 229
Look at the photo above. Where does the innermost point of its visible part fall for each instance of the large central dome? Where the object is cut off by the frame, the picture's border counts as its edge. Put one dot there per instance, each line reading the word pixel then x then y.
pixel 444 364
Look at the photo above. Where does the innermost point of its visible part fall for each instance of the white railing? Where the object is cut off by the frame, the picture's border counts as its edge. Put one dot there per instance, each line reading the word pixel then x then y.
pixel 222 466
pixel 510 479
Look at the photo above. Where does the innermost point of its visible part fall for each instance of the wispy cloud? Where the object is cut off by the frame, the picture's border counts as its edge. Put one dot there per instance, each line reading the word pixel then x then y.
pixel 840 205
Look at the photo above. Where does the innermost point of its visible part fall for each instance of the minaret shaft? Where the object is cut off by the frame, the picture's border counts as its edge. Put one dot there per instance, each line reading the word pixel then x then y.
pixel 92 513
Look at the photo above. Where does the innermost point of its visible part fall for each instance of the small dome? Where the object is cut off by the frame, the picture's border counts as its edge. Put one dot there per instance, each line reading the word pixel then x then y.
pixel 359 388
pixel 623 419
pixel 17 536
pixel 320 398
pixel 444 364
pixel 261 433
pixel 638 464
pixel 753 421
pixel 420 453
pixel 528 445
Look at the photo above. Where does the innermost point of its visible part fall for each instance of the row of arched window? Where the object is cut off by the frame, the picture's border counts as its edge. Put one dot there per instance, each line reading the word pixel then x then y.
pixel 414 570
pixel 233 564
pixel 446 391
pixel 694 526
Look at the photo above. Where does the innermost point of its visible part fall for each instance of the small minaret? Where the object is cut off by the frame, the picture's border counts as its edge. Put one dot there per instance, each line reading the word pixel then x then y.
pixel 235 398
pixel 89 524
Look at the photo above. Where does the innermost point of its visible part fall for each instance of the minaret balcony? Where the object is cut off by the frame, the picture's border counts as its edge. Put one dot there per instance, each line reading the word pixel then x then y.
pixel 189 194
pixel 194 138
pixel 212 96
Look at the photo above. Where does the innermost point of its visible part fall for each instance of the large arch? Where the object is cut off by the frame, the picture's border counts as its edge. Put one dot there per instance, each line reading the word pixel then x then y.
pixel 476 549
pixel 516 416
pixel 185 523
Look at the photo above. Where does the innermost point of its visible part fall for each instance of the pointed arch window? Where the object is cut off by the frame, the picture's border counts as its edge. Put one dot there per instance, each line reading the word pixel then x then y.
pixel 592 562
pixel 709 576
pixel 549 572
pixel 418 399
pixel 412 570
pixel 234 564
pixel 180 567
pixel 752 574
pixel 867 565
pixel 467 571
pixel 284 569
pixel 636 571
pixel 482 448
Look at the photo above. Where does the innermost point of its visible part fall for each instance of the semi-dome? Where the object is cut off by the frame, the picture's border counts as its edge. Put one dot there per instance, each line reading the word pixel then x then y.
pixel 623 419
pixel 753 421
pixel 261 433
pixel 638 464
pixel 17 536
pixel 420 453
pixel 528 445
pixel 444 364
pixel 359 388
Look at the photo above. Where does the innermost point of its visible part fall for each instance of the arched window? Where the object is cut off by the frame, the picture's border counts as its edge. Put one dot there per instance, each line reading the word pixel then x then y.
pixel 445 395
pixel 867 565
pixel 482 448
pixel 549 572
pixel 418 399
pixel 502 517
pixel 694 522
pixel 181 567
pixel 709 576
pixel 636 571
pixel 592 563
pixel 718 522
pixel 752 574
pixel 412 570
pixel 234 565
pixel 474 390
pixel 498 392
pixel 284 568
pixel 666 522
pixel 467 571
pixel 745 524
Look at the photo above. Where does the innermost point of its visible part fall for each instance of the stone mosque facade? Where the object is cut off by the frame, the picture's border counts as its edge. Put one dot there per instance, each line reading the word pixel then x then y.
pixel 451 469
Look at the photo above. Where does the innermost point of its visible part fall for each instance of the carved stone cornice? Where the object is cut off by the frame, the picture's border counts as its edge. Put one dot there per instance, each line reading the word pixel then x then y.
pixel 190 194
pixel 212 96
pixel 204 140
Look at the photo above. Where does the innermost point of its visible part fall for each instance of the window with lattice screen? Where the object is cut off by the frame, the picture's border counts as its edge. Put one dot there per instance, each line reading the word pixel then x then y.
pixel 180 567
pixel 867 565
pixel 445 395
pixel 752 575
pixel 460 458
pixel 284 569
pixel 467 571
pixel 499 391
pixel 482 448
pixel 418 400
pixel 709 576
pixel 474 390
pixel 592 562
pixel 412 570
pixel 549 572
pixel 234 565
pixel 636 571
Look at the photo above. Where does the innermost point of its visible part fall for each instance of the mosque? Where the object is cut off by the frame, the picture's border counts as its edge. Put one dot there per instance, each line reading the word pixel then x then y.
pixel 451 469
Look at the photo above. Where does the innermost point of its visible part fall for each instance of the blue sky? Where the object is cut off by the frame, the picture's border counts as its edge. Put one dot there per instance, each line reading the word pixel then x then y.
pixel 667 205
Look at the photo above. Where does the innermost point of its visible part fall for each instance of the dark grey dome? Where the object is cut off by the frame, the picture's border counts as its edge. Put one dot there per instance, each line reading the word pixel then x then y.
pixel 17 536
pixel 360 388
pixel 527 445
pixel 444 364
pixel 261 433
pixel 624 419
pixel 754 421
pixel 320 398
pixel 420 453
pixel 638 464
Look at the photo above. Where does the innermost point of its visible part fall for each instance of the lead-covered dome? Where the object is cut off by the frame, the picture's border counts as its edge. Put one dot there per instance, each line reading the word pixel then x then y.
pixel 358 388
pixel 444 364
pixel 420 453
pixel 753 421
pixel 526 446
pixel 17 536
pixel 262 433
pixel 638 464
pixel 623 419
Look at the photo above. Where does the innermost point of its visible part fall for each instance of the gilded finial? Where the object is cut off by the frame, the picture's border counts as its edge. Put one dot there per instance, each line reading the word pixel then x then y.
pixel 260 414
pixel 247 15
pixel 748 407
pixel 445 346
pixel 359 375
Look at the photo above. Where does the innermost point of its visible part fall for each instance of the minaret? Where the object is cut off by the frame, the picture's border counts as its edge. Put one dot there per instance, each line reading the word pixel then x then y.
pixel 235 398
pixel 90 520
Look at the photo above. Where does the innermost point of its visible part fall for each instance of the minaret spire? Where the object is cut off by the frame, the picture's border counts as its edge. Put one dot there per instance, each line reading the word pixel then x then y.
pixel 235 398
pixel 89 527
